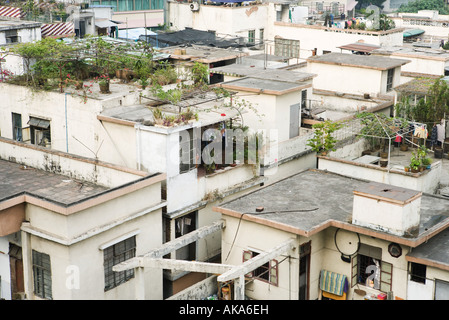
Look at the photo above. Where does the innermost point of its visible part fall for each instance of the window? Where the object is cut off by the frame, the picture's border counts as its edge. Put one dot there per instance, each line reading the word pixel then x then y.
pixel 183 226
pixel 267 272
pixel 187 151
pixel 41 274
pixel 390 74
pixel 261 35
pixel 17 126
pixel 368 269
pixel 11 36
pixel 115 254
pixel 286 47
pixel 418 272
pixel 251 36
pixel 40 131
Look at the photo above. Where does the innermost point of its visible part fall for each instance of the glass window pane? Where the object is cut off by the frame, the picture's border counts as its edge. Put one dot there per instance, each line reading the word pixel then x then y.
pixel 386 267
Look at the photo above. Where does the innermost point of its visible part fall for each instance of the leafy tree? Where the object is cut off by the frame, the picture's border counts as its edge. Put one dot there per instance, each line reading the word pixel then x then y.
pixel 431 109
pixel 414 6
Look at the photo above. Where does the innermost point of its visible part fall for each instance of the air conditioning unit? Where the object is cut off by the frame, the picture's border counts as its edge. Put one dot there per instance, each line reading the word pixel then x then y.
pixel 278 7
pixel 195 6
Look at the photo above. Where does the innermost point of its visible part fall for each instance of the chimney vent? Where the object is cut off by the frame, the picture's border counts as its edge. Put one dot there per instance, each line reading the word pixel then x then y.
pixel 387 208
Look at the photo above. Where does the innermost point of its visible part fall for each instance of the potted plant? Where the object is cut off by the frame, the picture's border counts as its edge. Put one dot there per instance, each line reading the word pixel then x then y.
pixel 414 164
pixel 426 162
pixel 322 141
pixel 103 82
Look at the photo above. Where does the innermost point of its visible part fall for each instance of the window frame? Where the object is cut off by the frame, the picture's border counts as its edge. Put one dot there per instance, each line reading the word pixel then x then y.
pixel 386 277
pixel 114 255
pixel 252 36
pixel 272 267
pixel 390 78
pixel 42 281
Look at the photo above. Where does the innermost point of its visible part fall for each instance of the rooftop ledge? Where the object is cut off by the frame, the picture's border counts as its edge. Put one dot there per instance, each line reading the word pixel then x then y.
pixel 331 29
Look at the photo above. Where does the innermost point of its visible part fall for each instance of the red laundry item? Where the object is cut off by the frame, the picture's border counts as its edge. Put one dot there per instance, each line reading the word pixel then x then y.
pixel 398 138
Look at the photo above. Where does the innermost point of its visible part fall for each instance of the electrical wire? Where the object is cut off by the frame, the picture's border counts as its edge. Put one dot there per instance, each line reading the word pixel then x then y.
pixel 259 213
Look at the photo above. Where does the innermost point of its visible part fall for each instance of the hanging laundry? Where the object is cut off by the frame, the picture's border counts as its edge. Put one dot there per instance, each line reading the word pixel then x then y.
pixel 441 133
pixel 434 135
pixel 420 132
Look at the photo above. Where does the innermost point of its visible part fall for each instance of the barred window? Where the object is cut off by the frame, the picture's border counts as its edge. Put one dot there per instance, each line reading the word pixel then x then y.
pixel 41 274
pixel 390 74
pixel 115 254
pixel 267 272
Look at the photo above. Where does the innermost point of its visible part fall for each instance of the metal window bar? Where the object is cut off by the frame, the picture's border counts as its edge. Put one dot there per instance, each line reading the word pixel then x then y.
pixel 42 274
pixel 116 254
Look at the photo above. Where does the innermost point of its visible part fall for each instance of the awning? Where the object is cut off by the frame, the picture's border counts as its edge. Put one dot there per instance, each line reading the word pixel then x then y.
pixel 105 23
pixel 40 123
pixel 334 283
pixel 412 33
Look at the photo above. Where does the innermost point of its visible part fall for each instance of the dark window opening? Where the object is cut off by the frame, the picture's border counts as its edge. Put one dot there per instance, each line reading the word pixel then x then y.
pixel 418 272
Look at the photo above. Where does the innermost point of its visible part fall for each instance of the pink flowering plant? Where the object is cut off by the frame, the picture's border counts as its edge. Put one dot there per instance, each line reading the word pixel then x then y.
pixel 103 79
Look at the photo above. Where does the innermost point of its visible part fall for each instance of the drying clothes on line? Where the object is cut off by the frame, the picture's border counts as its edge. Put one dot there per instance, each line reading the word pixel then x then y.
pixel 441 133
pixel 398 138
pixel 434 136
pixel 420 132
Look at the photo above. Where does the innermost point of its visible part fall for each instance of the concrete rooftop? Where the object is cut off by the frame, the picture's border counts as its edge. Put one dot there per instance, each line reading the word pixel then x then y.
pixel 261 73
pixel 362 61
pixel 308 200
pixel 16 179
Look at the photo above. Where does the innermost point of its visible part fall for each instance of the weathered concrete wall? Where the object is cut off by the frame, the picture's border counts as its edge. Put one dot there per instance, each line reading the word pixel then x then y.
pixel 198 291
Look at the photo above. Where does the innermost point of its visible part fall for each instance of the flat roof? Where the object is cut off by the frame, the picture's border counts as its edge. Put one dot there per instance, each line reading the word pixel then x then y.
pixel 361 61
pixel 261 85
pixel 261 73
pixel 208 108
pixel 413 52
pixel 434 252
pixel 313 200
pixel 17 179
pixel 203 54
pixel 18 24
pixel 360 47
pixel 416 85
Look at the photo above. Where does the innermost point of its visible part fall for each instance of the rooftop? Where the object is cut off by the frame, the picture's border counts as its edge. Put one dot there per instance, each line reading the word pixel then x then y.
pixel 206 105
pixel 413 52
pixel 6 24
pixel 17 179
pixel 261 73
pixel 263 85
pixel 307 202
pixel 361 61
pixel 203 54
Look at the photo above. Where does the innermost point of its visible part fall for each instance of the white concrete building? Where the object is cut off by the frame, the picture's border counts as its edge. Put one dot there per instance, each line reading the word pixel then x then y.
pixel 311 240
pixel 349 73
pixel 69 219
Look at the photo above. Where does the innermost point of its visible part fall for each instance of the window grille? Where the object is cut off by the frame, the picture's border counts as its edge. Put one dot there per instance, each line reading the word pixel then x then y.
pixel 267 272
pixel 115 254
pixel 42 274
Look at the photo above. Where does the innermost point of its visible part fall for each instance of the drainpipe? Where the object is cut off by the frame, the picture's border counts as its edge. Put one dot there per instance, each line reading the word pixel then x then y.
pixel 66 129
pixel 138 147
